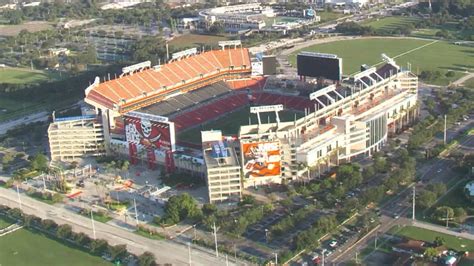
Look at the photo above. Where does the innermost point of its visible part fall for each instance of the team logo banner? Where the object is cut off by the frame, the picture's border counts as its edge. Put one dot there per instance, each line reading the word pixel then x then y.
pixel 146 134
pixel 261 159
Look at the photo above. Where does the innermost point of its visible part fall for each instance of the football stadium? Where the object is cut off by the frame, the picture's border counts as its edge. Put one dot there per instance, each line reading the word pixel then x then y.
pixel 298 127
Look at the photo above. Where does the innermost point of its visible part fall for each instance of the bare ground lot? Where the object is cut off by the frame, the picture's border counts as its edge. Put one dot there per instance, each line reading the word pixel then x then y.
pixel 31 26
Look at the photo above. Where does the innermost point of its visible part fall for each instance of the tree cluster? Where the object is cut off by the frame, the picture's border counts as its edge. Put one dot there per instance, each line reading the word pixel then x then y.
pixel 64 232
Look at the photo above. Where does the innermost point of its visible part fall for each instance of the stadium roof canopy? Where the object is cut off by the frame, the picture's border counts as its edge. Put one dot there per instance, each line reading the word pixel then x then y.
pixel 144 87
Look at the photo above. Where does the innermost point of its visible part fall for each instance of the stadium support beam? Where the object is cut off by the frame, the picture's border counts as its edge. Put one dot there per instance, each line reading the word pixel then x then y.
pixel 235 43
pixel 266 109
pixel 330 98
pixel 320 102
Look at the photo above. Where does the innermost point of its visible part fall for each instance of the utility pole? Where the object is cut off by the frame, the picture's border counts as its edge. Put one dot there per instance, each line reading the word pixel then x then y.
pixel 357 259
pixel 226 260
pixel 44 182
pixel 93 226
pixel 445 118
pixel 189 254
pixel 194 227
pixel 19 199
pixel 215 239
pixel 322 253
pixel 375 244
pixel 413 212
pixel 136 213
pixel 276 258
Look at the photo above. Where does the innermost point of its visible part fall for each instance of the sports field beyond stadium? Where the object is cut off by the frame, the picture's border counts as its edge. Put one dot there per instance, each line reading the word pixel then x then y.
pixel 421 54
pixel 23 247
pixel 230 123
pixel 22 75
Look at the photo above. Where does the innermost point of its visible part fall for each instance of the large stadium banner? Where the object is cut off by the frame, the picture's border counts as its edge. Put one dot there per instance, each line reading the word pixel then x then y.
pixel 261 159
pixel 148 133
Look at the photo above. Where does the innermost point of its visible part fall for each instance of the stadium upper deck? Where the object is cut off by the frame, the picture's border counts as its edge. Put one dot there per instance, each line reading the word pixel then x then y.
pixel 132 91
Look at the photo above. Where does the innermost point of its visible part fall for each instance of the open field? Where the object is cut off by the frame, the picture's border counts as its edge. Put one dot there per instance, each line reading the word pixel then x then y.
pixel 435 56
pixel 453 242
pixel 326 16
pixel 23 75
pixel 31 26
pixel 391 23
pixel 23 247
pixel 10 108
pixel 230 123
pixel 195 40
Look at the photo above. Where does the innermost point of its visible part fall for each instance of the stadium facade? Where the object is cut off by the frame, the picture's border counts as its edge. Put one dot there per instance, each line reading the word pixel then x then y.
pixel 140 113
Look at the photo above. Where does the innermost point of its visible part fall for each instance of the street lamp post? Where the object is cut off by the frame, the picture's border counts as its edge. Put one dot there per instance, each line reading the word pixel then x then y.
pixel 19 198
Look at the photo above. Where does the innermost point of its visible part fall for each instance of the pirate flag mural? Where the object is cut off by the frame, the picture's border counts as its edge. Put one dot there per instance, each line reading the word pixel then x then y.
pixel 146 135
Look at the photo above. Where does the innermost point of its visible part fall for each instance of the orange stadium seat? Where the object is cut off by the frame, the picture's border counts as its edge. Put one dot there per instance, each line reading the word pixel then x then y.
pixel 133 86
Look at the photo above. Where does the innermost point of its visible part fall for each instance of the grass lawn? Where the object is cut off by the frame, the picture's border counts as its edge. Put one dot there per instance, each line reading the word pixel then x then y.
pixel 451 27
pixel 230 123
pixel 29 248
pixel 453 242
pixel 155 236
pixel 326 16
pixel 195 40
pixel 23 75
pixel 5 222
pixel 440 56
pixel 391 23
pixel 12 108
pixel 469 83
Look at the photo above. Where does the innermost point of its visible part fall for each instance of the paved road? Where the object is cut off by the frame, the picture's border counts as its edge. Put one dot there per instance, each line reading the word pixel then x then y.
pixel 165 251
pixel 5 126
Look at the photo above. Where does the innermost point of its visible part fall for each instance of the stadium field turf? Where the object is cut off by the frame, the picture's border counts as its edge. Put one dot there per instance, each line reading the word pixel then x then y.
pixel 429 55
pixel 230 123
pixel 24 247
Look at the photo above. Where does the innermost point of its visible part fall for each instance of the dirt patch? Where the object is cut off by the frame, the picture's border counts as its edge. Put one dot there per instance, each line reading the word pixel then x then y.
pixel 31 26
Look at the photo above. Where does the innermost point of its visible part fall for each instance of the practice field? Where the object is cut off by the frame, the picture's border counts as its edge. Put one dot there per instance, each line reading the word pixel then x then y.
pixel 460 244
pixel 230 124
pixel 21 75
pixel 23 247
pixel 193 40
pixel 421 54
pixel 391 23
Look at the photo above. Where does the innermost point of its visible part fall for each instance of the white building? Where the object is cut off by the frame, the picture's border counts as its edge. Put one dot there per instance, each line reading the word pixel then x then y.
pixel 74 137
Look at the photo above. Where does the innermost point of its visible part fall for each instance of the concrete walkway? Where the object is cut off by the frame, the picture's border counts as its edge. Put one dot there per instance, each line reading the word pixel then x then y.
pixel 463 79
